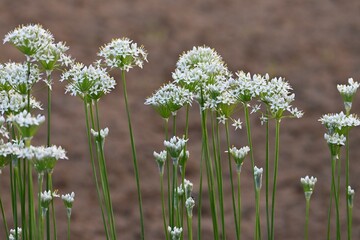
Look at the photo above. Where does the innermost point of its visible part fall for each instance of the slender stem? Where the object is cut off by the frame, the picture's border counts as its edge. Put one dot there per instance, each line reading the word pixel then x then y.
pixel 48 111
pixel 40 184
pixel 267 178
pixel 32 221
pixel 329 213
pixel 200 194
pixel 248 131
pixel 134 155
pixel 189 226
pixel 258 229
pixel 52 208
pixel 347 169
pixel 105 176
pixel 350 222
pixel 48 227
pixel 218 171
pixel 4 218
pixel 277 141
pixel 209 174
pixel 94 168
pixel 163 206
pixel 237 225
pixel 333 166
pixel 166 126
pixel 307 219
pixel 239 201
pixel 174 195
pixel 68 227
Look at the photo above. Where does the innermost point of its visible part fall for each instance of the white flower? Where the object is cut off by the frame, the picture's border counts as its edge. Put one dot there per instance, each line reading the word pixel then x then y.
pixel 175 233
pixel 255 108
pixel 92 81
pixel 258 177
pixel 198 68
pixel 169 99
pixel 339 121
pixel 29 39
pixel 160 159
pixel 53 55
pixel 335 139
pixel 237 124
pixel 239 155
pixel 308 183
pixel 123 53
pixel 103 133
pixel 24 119
pixel 189 204
pixel 350 194
pixel 68 199
pixel 348 91
pixel 175 146
pixel 12 102
pixel 15 235
pixel 16 76
pixel 222 119
pixel 296 113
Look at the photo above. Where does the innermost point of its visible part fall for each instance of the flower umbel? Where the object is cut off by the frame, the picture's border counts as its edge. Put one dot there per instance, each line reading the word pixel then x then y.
pixel 308 184
pixel 123 53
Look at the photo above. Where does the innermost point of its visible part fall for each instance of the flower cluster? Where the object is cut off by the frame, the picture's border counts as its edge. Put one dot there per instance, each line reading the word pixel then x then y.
pixel 18 76
pixel 160 159
pixel 350 194
pixel 15 234
pixel 308 184
pixel 12 102
pixel 29 39
pixel 339 122
pixel 348 92
pixel 88 81
pixel 175 233
pixel 169 99
pixel 123 53
pixel 258 177
pixel 239 155
pixel 68 200
pixel 174 147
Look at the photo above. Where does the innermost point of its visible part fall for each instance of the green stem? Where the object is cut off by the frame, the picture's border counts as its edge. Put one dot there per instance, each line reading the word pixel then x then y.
pixel 237 225
pixel 200 195
pixel 68 228
pixel 189 226
pixel 4 218
pixel 209 174
pixel 267 178
pixel 307 219
pixel 257 225
pixel 163 206
pixel 40 184
pixel 347 167
pixel 239 201
pixel 329 213
pixel 350 222
pixel 53 215
pixel 218 171
pixel 105 176
pixel 333 172
pixel 134 156
pixel 166 126
pixel 174 195
pixel 276 163
pixel 94 168
pixel 31 207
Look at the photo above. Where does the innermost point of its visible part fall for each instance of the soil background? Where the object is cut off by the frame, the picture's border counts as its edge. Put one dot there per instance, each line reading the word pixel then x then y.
pixel 313 44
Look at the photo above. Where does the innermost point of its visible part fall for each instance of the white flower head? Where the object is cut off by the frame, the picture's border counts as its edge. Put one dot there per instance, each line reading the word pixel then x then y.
pixel 169 99
pixel 350 194
pixel 175 232
pixel 88 81
pixel 12 102
pixel 16 76
pixel 25 123
pixel 43 158
pixel 258 177
pixel 123 53
pixel 53 55
pixel 239 155
pixel 101 135
pixel 347 92
pixel 29 39
pixel 15 234
pixel 335 139
pixel 68 199
pixel 189 204
pixel 308 184
pixel 339 122
pixel 175 146
pixel 160 159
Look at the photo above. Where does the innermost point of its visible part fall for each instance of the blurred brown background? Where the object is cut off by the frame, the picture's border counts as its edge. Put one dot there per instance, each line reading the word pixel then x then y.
pixel 313 44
